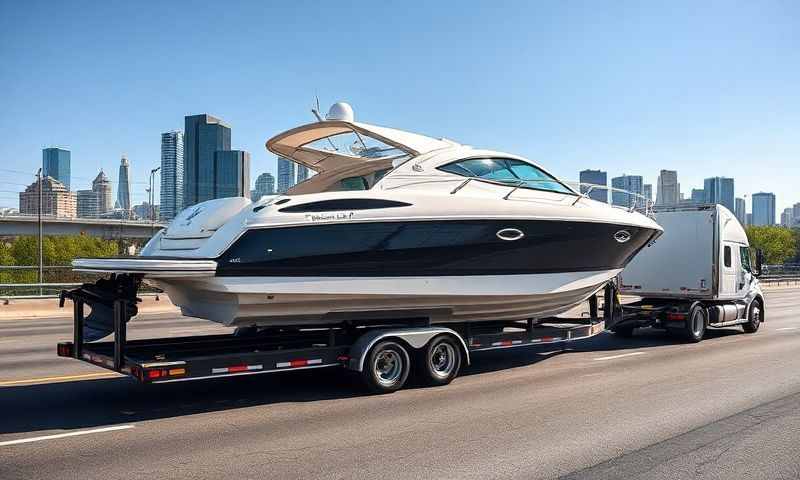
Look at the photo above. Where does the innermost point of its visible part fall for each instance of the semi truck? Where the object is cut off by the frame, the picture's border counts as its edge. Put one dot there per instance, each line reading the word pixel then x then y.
pixel 700 274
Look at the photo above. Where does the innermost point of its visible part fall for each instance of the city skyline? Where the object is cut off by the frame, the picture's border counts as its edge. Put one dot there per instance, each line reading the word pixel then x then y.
pixel 705 103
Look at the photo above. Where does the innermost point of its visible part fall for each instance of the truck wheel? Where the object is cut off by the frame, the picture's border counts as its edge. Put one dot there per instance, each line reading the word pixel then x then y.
pixel 386 368
pixel 753 318
pixel 696 323
pixel 440 361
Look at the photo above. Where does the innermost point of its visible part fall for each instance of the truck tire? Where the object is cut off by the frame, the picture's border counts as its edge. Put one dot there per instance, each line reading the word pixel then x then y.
pixel 696 323
pixel 386 367
pixel 753 317
pixel 439 361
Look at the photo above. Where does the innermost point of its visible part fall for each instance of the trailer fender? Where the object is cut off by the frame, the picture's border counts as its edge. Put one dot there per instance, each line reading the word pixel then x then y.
pixel 415 338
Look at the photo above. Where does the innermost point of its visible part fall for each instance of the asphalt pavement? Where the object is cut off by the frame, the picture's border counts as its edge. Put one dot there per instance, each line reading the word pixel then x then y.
pixel 648 407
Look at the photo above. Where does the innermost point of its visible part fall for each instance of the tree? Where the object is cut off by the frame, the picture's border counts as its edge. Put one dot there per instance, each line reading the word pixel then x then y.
pixel 778 243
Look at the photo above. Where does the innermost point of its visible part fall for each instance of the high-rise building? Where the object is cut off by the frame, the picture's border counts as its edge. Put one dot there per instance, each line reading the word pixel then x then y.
pixel 87 204
pixel 302 173
pixel 668 192
pixel 630 183
pixel 265 185
pixel 171 174
pixel 647 191
pixel 124 185
pixel 231 174
pixel 286 174
pixel 719 190
pixel 749 220
pixel 57 200
pixel 203 136
pixel 698 195
pixel 55 164
pixel 787 217
pixel 595 177
pixel 796 212
pixel 763 208
pixel 741 211
pixel 101 186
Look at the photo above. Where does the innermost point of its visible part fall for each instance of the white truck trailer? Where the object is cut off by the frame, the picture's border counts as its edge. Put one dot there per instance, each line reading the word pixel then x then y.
pixel 700 273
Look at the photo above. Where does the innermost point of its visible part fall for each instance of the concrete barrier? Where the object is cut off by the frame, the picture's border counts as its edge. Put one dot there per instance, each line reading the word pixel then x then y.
pixel 48 307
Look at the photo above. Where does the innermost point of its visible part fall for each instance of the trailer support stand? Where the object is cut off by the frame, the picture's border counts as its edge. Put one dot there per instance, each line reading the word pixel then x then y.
pixel 120 323
pixel 77 318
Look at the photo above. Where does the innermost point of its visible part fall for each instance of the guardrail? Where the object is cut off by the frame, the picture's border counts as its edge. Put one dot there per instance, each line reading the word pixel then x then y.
pixel 779 280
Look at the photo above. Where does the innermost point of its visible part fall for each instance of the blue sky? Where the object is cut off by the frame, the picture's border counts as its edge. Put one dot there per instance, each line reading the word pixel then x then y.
pixel 706 88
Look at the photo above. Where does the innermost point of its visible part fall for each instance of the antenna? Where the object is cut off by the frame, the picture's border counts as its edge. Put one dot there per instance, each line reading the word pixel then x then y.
pixel 315 111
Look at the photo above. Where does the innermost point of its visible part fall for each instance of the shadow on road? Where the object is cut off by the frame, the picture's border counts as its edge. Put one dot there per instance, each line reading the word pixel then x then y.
pixel 94 403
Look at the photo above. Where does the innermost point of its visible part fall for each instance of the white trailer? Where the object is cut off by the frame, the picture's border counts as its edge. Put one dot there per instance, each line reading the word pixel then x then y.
pixel 700 273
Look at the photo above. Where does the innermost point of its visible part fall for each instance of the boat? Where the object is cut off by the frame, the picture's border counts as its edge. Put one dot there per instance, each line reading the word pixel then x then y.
pixel 392 225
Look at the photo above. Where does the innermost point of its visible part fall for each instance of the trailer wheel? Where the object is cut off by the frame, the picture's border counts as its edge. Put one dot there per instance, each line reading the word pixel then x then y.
pixel 696 323
pixel 753 318
pixel 440 361
pixel 387 367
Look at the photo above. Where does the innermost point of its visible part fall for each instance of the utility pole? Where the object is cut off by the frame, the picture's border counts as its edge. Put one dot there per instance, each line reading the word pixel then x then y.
pixel 39 211
pixel 152 200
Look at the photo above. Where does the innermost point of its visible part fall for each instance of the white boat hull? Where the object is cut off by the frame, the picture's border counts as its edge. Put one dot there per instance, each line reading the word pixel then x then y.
pixel 282 301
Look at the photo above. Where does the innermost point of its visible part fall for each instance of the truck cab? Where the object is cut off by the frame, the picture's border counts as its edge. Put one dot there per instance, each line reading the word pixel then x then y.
pixel 701 273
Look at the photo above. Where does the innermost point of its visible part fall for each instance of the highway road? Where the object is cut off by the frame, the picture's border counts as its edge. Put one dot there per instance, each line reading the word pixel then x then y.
pixel 649 407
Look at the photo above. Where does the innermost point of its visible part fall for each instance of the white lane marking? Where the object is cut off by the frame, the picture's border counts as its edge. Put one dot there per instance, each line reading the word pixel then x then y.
pixel 612 357
pixel 63 435
pixel 786 328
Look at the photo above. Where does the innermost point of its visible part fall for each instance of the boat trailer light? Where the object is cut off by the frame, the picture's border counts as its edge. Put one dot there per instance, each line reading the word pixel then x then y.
pixel 65 350
pixel 676 317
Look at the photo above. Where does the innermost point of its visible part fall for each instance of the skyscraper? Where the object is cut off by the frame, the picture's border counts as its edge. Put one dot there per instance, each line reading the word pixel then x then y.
pixel 719 190
pixel 647 191
pixel 124 185
pixel 231 174
pixel 87 204
pixel 595 177
pixel 171 174
pixel 302 173
pixel 55 164
pixel 204 135
pixel 629 183
pixel 741 211
pixel 787 217
pixel 763 208
pixel 796 211
pixel 698 195
pixel 57 200
pixel 286 174
pixel 265 185
pixel 668 192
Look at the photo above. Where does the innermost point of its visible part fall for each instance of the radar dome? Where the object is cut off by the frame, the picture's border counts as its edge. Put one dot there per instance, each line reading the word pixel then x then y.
pixel 340 111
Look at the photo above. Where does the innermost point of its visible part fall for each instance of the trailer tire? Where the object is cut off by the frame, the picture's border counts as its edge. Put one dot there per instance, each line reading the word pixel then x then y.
pixel 386 368
pixel 439 362
pixel 753 317
pixel 696 323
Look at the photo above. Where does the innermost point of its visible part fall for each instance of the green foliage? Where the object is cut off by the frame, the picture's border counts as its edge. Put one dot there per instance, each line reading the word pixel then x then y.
pixel 56 250
pixel 779 244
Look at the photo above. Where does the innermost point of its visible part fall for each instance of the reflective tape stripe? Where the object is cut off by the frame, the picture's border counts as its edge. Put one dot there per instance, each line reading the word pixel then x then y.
pixel 299 363
pixel 237 368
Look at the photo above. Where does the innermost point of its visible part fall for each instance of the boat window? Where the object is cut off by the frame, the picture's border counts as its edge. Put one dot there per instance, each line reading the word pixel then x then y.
pixel 506 170
pixel 353 183
pixel 728 261
pixel 744 253
pixel 359 146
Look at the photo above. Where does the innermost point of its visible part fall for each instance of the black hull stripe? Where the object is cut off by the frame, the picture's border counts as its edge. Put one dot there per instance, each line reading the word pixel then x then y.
pixel 426 248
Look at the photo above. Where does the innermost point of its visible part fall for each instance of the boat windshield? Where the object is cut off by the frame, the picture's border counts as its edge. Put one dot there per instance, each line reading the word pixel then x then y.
pixel 356 145
pixel 507 170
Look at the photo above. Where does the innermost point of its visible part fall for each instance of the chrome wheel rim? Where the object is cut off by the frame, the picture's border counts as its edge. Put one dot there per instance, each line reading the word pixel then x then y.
pixel 442 360
pixel 697 323
pixel 756 316
pixel 388 367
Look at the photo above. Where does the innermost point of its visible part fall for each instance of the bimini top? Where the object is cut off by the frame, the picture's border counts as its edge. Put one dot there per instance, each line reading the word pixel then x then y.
pixel 332 144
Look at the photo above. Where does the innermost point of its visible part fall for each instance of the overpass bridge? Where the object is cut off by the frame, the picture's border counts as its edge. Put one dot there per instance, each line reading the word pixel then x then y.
pixel 109 229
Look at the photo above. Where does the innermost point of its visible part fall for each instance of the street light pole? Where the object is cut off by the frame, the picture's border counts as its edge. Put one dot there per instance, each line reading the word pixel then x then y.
pixel 39 212
pixel 152 200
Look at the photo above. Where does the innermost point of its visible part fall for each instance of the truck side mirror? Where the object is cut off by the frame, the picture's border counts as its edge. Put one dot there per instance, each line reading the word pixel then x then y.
pixel 759 261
